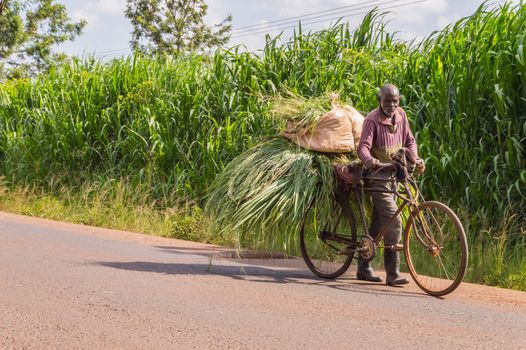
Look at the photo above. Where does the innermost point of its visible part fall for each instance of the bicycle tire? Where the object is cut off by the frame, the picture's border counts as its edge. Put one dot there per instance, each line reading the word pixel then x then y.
pixel 323 258
pixel 435 248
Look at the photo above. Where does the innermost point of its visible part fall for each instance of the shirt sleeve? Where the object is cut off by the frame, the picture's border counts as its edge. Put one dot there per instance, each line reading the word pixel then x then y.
pixel 366 142
pixel 409 139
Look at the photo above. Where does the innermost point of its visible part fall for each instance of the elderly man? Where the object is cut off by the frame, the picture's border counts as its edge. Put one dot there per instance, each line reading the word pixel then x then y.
pixel 385 131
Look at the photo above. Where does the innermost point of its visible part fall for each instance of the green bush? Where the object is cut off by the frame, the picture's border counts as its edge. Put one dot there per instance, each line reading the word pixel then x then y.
pixel 190 226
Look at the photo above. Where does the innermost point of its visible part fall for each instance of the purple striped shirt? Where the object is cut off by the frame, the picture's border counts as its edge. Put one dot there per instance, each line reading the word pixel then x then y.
pixel 380 138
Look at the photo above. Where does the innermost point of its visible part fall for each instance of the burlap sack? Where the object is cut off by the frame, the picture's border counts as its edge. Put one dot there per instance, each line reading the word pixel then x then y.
pixel 357 123
pixel 337 131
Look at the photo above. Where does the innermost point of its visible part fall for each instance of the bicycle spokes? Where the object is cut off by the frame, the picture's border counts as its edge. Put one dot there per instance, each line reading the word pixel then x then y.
pixel 327 251
pixel 436 248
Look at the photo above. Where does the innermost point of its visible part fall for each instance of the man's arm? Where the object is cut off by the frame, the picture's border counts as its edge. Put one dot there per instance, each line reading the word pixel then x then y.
pixel 366 142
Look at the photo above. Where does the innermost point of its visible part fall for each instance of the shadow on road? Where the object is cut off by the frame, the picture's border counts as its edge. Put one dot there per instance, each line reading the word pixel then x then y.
pixel 237 272
pixel 261 275
pixel 224 252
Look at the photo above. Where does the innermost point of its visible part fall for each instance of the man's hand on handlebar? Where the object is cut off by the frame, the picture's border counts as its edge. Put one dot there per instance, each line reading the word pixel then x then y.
pixel 420 167
pixel 377 167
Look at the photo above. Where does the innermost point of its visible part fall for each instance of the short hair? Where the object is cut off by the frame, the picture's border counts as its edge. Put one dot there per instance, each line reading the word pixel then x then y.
pixel 388 88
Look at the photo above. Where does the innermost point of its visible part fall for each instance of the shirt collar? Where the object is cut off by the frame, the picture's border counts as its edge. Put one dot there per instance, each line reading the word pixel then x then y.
pixel 384 119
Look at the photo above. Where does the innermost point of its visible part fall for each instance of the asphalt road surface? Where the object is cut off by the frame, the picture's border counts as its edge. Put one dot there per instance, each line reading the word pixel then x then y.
pixel 67 286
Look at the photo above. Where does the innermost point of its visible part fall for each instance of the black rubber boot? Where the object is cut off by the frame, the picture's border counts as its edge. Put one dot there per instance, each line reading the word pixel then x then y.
pixel 366 272
pixel 392 268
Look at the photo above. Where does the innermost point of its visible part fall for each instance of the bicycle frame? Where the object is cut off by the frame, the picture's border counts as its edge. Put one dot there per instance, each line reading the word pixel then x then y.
pixel 408 200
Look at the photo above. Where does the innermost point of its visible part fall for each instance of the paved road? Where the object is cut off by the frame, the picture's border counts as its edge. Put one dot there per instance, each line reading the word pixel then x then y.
pixel 67 286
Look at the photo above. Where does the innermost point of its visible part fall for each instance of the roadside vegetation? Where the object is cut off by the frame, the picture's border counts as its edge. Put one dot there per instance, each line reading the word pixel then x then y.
pixel 136 143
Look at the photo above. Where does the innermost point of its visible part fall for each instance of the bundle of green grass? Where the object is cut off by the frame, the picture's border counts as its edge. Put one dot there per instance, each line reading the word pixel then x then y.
pixel 262 195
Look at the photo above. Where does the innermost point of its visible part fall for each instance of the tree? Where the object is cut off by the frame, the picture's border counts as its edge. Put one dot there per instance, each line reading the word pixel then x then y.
pixel 174 26
pixel 2 5
pixel 28 31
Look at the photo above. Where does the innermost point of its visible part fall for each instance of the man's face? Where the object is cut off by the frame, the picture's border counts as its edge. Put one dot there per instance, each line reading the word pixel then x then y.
pixel 389 102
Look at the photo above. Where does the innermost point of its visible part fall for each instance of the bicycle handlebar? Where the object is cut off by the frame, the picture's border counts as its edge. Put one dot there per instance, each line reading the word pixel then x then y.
pixel 382 167
pixel 386 165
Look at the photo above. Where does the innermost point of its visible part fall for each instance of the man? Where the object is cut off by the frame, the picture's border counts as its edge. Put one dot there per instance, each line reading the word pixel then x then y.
pixel 385 131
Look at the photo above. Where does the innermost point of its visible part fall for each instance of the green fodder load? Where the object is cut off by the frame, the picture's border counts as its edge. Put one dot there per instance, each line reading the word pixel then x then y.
pixel 265 191
pixel 262 195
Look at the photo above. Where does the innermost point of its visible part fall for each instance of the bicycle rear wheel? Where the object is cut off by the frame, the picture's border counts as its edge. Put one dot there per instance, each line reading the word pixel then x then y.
pixel 326 241
pixel 435 248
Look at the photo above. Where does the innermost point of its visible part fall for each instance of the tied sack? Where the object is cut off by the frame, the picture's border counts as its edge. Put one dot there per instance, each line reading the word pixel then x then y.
pixel 337 131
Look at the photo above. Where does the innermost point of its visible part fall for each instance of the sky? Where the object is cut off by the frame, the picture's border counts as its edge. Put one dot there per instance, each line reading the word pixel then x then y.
pixel 107 33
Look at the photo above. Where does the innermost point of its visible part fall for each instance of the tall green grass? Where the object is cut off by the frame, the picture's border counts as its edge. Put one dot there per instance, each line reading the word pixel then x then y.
pixel 264 193
pixel 171 125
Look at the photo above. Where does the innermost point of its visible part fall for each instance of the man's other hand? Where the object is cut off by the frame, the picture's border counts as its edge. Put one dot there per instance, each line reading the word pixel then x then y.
pixel 420 167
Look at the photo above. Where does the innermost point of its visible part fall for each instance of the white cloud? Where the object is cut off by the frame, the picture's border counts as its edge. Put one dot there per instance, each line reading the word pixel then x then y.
pixel 409 36
pixel 90 17
pixel 94 12
pixel 111 7
pixel 301 7
pixel 420 12
pixel 443 21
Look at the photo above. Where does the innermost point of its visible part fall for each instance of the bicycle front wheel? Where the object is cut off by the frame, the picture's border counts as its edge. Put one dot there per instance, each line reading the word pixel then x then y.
pixel 435 248
pixel 325 241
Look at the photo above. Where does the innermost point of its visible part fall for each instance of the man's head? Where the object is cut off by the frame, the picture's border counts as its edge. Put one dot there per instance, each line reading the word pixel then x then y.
pixel 389 98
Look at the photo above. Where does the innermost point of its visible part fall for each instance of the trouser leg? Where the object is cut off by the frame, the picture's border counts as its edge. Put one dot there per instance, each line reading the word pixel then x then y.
pixel 384 209
pixel 375 227
pixel 365 271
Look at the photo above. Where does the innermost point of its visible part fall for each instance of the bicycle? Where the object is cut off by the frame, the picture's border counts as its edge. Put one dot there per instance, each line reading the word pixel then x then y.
pixel 434 241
